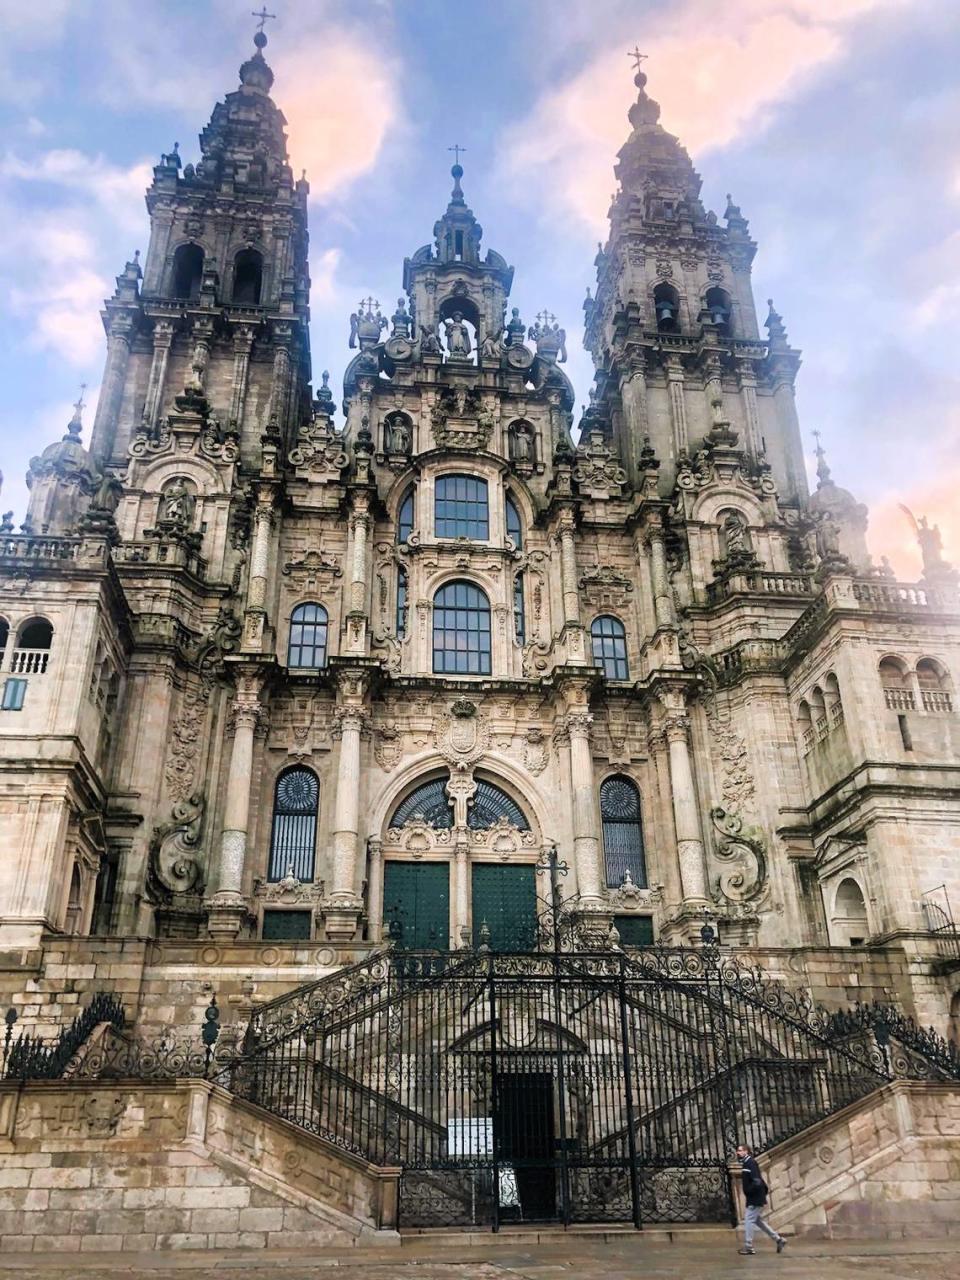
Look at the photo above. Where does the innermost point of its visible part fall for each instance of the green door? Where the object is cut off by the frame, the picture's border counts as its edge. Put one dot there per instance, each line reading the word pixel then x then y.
pixel 416 904
pixel 505 900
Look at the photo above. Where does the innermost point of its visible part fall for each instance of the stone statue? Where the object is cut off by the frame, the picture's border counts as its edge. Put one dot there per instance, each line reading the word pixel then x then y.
pixel 107 497
pixel 828 538
pixel 734 535
pixel 399 435
pixel 490 347
pixel 516 329
pixel 402 321
pixel 429 342
pixel 521 442
pixel 931 545
pixel 458 337
pixel 7 524
pixel 177 504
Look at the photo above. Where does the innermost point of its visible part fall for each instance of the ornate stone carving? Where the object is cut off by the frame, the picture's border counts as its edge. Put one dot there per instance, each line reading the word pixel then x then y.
pixel 315 569
pixel 536 750
pixel 597 471
pixel 174 860
pixel 459 421
pixel 605 586
pixel 388 745
pixel 461 734
pixel 743 878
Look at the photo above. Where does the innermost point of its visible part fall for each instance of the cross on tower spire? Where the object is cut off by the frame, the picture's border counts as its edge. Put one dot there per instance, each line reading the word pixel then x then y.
pixel 263 16
pixel 637 56
pixel 457 149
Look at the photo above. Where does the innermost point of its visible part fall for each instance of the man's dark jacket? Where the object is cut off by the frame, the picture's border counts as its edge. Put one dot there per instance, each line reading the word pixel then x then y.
pixel 754 1187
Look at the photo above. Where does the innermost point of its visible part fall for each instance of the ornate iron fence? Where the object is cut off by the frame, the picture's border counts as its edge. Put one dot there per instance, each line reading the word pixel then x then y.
pixel 565 1086
pixel 31 1057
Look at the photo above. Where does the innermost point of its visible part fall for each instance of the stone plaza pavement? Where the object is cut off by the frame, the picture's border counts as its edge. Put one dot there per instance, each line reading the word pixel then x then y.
pixel 519 1256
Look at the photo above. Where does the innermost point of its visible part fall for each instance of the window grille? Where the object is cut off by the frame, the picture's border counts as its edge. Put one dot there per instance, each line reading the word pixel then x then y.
pixel 610 647
pixel 622 832
pixel 430 802
pixel 489 804
pixel 308 637
pixel 294 837
pixel 461 630
pixel 286 926
pixel 461 508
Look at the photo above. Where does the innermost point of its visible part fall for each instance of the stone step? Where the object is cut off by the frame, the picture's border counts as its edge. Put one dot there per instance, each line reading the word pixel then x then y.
pixel 556 1233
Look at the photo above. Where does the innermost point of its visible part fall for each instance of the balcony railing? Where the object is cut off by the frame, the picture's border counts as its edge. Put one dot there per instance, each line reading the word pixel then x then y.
pixel 899 699
pixel 759 582
pixel 29 662
pixel 935 700
pixel 29 547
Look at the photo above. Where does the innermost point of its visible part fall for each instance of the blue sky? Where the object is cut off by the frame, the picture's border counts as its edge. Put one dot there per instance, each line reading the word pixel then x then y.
pixel 834 123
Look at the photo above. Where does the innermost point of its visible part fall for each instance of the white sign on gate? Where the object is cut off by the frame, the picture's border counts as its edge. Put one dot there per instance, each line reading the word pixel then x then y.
pixel 470 1136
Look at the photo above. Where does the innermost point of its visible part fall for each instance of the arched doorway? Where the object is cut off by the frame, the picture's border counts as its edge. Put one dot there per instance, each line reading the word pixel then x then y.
pixel 459 868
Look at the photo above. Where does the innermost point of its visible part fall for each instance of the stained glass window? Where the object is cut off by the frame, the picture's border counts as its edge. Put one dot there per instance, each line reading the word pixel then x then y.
pixel 461 507
pixel 308 636
pixel 461 630
pixel 610 647
pixel 294 836
pixel 622 832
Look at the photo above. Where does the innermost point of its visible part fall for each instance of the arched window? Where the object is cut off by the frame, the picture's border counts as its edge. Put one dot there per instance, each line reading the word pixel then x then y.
pixel 405 517
pixel 850 914
pixel 401 602
pixel 666 306
pixel 717 303
pixel 308 637
pixel 513 522
pixel 897 693
pixel 622 832
pixel 429 802
pixel 805 721
pixel 934 684
pixel 293 840
pixel 489 805
pixel 818 712
pixel 4 634
pixel 247 278
pixel 832 699
pixel 519 612
pixel 187 272
pixel 461 630
pixel 31 654
pixel 610 647
pixel 461 508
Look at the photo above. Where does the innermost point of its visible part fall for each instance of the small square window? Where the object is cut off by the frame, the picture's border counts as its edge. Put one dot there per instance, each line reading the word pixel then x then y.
pixel 286 926
pixel 14 692
pixel 635 931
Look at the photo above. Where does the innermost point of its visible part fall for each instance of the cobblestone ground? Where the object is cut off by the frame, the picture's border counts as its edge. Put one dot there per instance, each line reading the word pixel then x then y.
pixel 618 1258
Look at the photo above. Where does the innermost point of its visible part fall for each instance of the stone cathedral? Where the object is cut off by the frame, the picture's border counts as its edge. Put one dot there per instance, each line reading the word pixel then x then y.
pixel 291 674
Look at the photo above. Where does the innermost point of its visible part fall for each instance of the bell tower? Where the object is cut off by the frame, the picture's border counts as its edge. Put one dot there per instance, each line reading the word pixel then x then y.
pixel 219 312
pixel 673 327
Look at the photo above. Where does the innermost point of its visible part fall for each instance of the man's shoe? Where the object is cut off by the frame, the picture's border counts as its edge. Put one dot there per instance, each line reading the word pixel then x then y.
pixel 781 1245
pixel 748 1251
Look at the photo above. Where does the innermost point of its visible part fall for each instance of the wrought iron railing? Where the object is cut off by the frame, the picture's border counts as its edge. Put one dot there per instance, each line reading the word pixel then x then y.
pixel 31 1057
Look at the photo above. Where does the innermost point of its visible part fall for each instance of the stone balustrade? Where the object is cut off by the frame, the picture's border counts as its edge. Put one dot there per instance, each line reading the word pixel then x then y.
pixel 28 662
pixel 171 555
pixel 19 547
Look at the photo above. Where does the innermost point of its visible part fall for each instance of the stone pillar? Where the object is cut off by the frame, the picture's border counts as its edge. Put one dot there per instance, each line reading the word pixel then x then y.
pixel 242 345
pixel 162 341
pixel 586 840
pixel 751 414
pixel 202 337
pixel 686 815
pixel 227 907
pixel 111 390
pixel 280 386
pixel 260 553
pixel 568 570
pixel 375 890
pixel 663 606
pixel 678 407
pixel 343 906
pixel 357 616
pixel 461 915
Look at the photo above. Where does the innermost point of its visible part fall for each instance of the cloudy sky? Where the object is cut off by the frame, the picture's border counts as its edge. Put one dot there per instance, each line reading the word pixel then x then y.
pixel 835 124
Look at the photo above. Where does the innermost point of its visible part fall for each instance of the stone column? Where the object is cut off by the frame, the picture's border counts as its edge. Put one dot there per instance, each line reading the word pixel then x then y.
pixel 343 906
pixel 751 414
pixel 568 570
pixel 242 346
pixel 678 406
pixel 111 390
pixel 461 916
pixel 162 341
pixel 375 890
pixel 686 815
pixel 227 907
pixel 586 840
pixel 662 595
pixel 280 386
pixel 260 553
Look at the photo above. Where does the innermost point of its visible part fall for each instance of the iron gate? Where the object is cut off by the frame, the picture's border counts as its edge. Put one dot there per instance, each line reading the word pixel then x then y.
pixel 573 1087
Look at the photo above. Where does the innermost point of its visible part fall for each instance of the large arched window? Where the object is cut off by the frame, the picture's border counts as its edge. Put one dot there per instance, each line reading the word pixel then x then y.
pixel 429 802
pixel 461 630
pixel 489 805
pixel 405 517
pixel 187 272
pixel 610 647
pixel 461 508
pixel 247 278
pixel 31 655
pixel 308 637
pixel 622 832
pixel 293 840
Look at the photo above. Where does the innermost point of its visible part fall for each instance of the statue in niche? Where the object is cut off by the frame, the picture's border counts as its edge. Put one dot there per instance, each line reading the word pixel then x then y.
pixel 402 321
pixel 177 504
pixel 458 337
pixel 398 435
pixel 516 329
pixel 735 535
pixel 521 442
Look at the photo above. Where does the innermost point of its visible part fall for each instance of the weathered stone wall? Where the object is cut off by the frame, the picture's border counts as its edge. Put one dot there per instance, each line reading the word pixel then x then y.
pixel 888 1166
pixel 114 1165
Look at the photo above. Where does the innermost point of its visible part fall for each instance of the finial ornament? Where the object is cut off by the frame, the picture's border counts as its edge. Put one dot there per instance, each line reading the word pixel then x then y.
pixel 637 57
pixel 823 471
pixel 457 151
pixel 263 16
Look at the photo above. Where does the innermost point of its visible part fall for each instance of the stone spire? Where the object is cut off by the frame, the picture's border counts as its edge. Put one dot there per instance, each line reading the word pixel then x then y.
pixel 654 165
pixel 457 234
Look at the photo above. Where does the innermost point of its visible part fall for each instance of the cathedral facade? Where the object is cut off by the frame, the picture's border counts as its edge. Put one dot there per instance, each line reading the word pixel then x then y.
pixel 277 692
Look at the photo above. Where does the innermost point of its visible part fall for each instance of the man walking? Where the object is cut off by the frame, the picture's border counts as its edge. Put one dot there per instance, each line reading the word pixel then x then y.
pixel 755 1195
